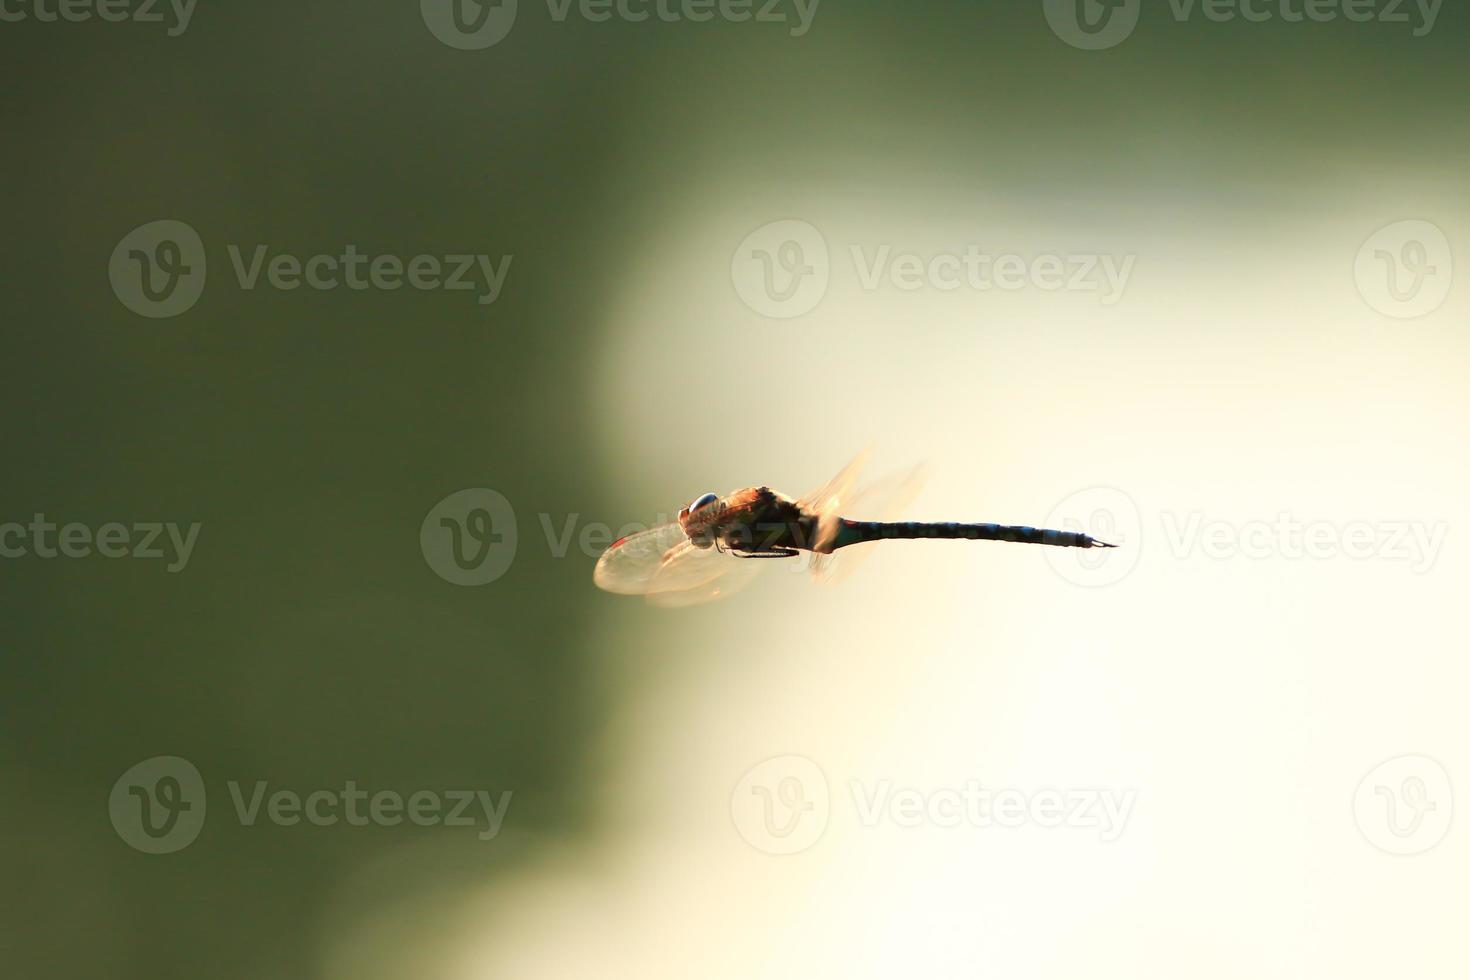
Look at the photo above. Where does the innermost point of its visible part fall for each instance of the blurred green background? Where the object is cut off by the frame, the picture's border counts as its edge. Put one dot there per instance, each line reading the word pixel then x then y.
pixel 308 642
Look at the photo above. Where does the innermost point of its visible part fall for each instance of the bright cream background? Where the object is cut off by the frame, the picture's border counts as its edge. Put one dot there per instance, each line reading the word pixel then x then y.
pixel 1244 700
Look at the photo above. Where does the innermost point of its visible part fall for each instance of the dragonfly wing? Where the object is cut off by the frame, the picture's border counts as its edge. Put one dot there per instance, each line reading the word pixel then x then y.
pixel 831 495
pixel 829 502
pixel 662 564
pixel 691 575
pixel 630 565
pixel 728 575
pixel 884 500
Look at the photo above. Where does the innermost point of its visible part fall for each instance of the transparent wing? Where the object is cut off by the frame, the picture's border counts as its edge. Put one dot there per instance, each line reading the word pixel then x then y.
pixel 883 500
pixel 728 575
pixel 629 566
pixel 687 567
pixel 828 502
pixel 661 564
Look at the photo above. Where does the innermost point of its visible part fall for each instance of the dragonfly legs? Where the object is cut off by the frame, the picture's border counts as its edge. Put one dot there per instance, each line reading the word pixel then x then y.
pixel 771 553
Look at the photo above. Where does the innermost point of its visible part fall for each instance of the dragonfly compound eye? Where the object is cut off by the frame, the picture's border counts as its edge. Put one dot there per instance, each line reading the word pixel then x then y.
pixel 703 500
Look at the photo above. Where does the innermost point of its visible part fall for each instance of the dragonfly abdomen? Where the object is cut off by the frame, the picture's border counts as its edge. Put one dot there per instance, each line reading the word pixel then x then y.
pixel 880 531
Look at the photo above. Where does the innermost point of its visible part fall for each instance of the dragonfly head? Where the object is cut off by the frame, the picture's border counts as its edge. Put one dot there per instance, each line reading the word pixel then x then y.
pixel 699 518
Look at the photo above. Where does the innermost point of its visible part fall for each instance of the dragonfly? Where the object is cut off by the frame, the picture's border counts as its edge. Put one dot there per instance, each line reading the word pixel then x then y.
pixel 714 547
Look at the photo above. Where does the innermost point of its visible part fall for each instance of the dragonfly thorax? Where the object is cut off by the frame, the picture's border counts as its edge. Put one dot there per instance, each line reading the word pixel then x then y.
pixel 754 519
